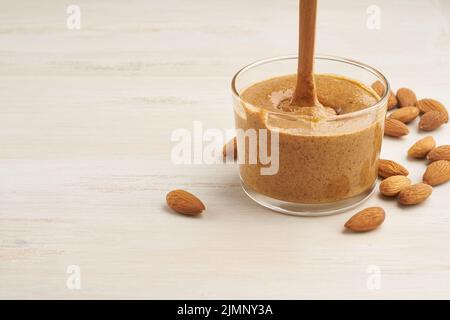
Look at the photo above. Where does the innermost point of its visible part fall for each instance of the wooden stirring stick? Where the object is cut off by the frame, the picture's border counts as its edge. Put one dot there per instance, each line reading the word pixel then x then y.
pixel 305 94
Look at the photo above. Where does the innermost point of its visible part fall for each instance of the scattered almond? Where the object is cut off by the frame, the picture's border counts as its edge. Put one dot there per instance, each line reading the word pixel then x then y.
pixel 393 185
pixel 184 202
pixel 229 150
pixel 426 105
pixel 378 87
pixel 395 128
pixel 431 120
pixel 437 172
pixel 366 220
pixel 392 101
pixel 421 148
pixel 388 168
pixel 439 153
pixel 405 114
pixel 406 97
pixel 414 194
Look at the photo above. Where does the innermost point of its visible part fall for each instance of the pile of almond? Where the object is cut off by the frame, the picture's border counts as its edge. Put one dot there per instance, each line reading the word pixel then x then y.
pixel 433 113
pixel 395 181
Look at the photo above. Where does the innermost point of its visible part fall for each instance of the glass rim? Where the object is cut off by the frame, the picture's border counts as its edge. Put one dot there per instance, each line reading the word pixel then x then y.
pixel 380 103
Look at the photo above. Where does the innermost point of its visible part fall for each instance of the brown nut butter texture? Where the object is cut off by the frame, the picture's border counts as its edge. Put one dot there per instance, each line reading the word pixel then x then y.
pixel 321 160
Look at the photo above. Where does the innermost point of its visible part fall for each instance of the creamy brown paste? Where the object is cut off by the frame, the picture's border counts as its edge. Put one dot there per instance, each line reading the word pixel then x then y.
pixel 323 157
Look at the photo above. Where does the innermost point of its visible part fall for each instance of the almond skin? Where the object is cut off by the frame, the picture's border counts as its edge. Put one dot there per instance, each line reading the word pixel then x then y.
pixel 229 150
pixel 406 97
pixel 439 153
pixel 395 128
pixel 426 105
pixel 184 202
pixel 431 120
pixel 388 168
pixel 392 101
pixel 366 220
pixel 378 87
pixel 414 194
pixel 393 185
pixel 405 114
pixel 437 172
pixel 421 148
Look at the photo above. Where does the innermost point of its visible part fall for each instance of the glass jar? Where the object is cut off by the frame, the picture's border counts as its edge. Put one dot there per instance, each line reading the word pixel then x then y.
pixel 300 164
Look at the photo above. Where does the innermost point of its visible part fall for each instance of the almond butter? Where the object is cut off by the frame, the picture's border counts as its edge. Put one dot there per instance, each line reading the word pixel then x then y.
pixel 405 114
pixel 229 150
pixel 437 172
pixel 378 87
pixel 366 220
pixel 439 153
pixel 388 168
pixel 406 97
pixel 426 105
pixel 184 202
pixel 393 185
pixel 414 194
pixel 431 120
pixel 421 148
pixel 395 128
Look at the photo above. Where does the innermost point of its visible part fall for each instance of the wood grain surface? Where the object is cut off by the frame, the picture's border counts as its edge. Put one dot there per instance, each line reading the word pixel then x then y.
pixel 86 118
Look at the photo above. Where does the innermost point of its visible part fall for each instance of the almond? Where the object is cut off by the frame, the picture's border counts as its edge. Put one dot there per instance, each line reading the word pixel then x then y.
pixel 393 185
pixel 437 172
pixel 184 202
pixel 388 168
pixel 431 120
pixel 426 105
pixel 229 150
pixel 439 153
pixel 395 128
pixel 414 194
pixel 366 220
pixel 378 87
pixel 421 148
pixel 392 101
pixel 406 97
pixel 405 114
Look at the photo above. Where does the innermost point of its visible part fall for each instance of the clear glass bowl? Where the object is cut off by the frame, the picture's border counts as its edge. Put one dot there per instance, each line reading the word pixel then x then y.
pixel 324 167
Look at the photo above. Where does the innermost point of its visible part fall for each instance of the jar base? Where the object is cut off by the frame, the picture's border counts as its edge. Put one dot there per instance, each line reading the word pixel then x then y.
pixel 307 210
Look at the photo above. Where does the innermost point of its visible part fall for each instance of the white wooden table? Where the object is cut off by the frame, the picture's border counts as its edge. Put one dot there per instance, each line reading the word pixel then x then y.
pixel 85 123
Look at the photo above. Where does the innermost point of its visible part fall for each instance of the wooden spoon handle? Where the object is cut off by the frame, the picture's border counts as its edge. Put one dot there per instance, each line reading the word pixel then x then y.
pixel 305 91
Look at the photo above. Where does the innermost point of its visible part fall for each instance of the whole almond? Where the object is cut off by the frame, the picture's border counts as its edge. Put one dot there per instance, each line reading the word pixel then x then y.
pixel 426 105
pixel 437 172
pixel 395 128
pixel 378 87
pixel 388 168
pixel 405 114
pixel 406 97
pixel 392 101
pixel 439 153
pixel 229 150
pixel 366 220
pixel 421 148
pixel 393 185
pixel 431 120
pixel 414 194
pixel 184 202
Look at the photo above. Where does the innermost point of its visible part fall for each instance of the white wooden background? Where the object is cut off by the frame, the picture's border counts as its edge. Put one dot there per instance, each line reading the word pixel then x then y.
pixel 85 123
